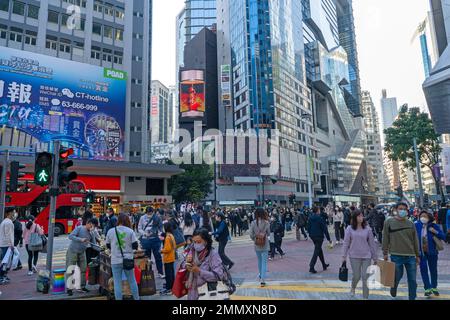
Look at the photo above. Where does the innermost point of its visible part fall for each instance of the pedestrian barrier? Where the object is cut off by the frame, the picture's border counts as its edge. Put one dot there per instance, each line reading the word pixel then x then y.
pixel 58 281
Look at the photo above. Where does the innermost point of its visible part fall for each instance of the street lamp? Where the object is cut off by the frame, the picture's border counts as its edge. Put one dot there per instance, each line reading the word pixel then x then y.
pixel 304 117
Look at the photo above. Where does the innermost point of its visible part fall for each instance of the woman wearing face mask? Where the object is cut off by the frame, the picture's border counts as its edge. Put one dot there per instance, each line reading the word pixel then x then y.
pixel 426 230
pixel 203 263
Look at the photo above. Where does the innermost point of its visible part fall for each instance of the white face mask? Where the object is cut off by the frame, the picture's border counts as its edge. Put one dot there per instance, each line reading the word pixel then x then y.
pixel 424 220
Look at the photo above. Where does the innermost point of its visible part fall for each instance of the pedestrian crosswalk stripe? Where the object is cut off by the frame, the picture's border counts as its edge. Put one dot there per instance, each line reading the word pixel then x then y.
pixel 300 288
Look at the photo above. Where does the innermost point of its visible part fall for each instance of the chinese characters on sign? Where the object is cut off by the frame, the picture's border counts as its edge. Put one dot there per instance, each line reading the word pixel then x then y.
pixel 79 104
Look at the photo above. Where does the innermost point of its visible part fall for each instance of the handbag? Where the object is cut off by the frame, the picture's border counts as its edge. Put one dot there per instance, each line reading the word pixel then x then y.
pixel 439 243
pixel 179 289
pixel 147 286
pixel 128 264
pixel 343 272
pixel 36 242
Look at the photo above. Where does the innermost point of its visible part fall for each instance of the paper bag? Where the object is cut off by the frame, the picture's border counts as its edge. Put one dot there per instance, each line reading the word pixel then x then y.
pixel 387 270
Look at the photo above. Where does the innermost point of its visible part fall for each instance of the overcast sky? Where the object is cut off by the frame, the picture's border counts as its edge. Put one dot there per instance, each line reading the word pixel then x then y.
pixel 384 29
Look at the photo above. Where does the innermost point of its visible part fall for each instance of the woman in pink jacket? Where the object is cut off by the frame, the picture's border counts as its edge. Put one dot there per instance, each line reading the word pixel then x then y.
pixel 33 256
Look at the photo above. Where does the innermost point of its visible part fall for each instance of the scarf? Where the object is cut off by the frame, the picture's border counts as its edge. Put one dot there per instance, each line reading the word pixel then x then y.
pixel 424 238
pixel 198 258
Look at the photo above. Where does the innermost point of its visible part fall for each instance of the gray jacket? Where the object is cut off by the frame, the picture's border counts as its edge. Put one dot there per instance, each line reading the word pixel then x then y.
pixel 76 239
pixel 260 226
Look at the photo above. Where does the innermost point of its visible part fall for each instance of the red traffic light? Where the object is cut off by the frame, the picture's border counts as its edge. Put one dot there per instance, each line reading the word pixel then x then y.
pixel 65 153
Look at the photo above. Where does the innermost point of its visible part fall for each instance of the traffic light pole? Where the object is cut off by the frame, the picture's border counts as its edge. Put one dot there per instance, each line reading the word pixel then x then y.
pixel 419 174
pixel 3 185
pixel 52 213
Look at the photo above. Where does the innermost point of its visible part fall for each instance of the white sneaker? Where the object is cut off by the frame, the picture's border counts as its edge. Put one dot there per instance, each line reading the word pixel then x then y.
pixel 352 292
pixel 35 270
pixel 162 276
pixel 30 273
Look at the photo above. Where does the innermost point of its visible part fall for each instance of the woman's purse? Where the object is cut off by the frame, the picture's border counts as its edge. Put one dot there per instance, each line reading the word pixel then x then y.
pixel 36 242
pixel 439 243
pixel 128 264
pixel 179 289
pixel 343 272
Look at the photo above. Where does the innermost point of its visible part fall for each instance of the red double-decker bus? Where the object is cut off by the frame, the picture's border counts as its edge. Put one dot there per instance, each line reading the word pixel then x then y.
pixel 34 200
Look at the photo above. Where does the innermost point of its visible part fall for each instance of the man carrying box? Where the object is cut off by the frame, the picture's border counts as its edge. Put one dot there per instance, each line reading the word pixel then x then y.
pixel 401 241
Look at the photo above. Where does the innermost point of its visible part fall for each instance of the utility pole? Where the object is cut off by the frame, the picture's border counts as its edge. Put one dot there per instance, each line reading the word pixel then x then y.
pixel 419 174
pixel 3 185
pixel 306 116
pixel 54 190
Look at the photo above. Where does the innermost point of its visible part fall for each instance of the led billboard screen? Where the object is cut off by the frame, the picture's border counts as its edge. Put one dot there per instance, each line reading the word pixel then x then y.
pixel 192 94
pixel 54 99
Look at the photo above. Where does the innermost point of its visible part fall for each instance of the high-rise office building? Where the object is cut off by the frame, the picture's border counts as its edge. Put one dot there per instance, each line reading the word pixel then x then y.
pixel 347 39
pixel 437 85
pixel 260 45
pixel 159 113
pixel 374 151
pixel 105 30
pixel 389 111
pixel 339 133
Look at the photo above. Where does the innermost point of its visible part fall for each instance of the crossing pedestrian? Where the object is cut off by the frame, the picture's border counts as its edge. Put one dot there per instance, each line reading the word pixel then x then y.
pixel 168 256
pixel 221 235
pixel 378 224
pixel 111 220
pixel 18 237
pixel 318 230
pixel 80 238
pixel 121 240
pixel 338 220
pixel 401 241
pixel 301 223
pixel 259 233
pixel 428 233
pixel 150 228
pixel 188 227
pixel 33 256
pixel 6 240
pixel 277 233
pixel 203 263
pixel 359 246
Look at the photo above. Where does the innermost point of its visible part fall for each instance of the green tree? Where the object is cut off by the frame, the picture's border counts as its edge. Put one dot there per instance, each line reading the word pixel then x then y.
pixel 399 146
pixel 192 185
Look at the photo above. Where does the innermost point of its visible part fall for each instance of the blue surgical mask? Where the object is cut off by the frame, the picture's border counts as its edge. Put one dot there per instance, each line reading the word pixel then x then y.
pixel 402 213
pixel 199 247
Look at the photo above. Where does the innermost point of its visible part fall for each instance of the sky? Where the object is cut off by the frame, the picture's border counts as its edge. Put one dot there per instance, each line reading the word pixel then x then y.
pixel 384 29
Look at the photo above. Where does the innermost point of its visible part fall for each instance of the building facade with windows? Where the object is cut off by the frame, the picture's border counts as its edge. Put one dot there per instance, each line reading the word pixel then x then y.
pixel 113 34
pixel 263 86
pixel 99 37
pixel 159 113
pixel 374 151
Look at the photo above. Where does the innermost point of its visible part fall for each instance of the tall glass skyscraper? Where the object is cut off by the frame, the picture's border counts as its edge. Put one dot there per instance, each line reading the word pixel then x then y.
pixel 264 47
pixel 347 39
pixel 199 14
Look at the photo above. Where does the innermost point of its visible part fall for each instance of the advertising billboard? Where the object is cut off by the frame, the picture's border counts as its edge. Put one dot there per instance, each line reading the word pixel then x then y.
pixel 55 99
pixel 192 94
pixel 226 85
pixel 446 164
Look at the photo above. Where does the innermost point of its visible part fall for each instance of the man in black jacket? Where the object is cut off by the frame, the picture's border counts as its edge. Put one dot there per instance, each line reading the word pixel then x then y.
pixel 318 229
pixel 301 223
pixel 18 231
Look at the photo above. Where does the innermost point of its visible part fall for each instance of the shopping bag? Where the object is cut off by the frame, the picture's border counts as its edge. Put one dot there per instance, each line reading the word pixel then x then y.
pixel 36 243
pixel 387 270
pixel 179 289
pixel 7 260
pixel 147 286
pixel 15 259
pixel 343 272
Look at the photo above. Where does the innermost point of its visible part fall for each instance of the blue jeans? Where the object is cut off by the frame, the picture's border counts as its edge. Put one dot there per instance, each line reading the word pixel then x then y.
pixel 262 263
pixel 117 270
pixel 153 245
pixel 411 273
pixel 429 262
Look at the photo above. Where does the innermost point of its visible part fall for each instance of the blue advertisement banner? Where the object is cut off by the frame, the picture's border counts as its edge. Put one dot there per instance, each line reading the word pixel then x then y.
pixel 54 99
